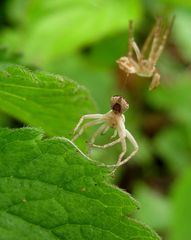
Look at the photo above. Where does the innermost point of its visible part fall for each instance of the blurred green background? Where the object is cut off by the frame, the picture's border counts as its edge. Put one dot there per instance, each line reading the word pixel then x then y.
pixel 82 39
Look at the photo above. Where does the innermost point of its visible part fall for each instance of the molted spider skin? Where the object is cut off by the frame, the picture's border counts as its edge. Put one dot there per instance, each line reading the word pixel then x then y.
pixel 112 119
pixel 145 64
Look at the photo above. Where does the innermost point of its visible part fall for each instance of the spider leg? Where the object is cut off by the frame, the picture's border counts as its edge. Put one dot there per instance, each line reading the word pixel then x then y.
pixel 131 43
pixel 114 134
pixel 155 80
pixel 135 145
pixel 157 54
pixel 157 31
pixel 105 130
pixel 130 39
pixel 89 124
pixel 101 130
pixel 122 135
pixel 88 116
pixel 124 149
pixel 107 145
pixel 137 51
pixel 147 42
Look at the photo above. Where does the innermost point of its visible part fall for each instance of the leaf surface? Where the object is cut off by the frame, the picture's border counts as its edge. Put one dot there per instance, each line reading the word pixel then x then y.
pixel 45 100
pixel 50 190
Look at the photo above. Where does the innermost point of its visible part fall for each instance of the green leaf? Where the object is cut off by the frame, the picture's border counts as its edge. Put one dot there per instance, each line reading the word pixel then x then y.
pixel 181 208
pixel 7 56
pixel 50 29
pixel 90 76
pixel 50 101
pixel 50 190
pixel 5 120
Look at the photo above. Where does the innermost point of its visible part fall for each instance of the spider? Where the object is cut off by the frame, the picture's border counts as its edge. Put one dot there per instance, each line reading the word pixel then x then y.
pixel 145 67
pixel 112 119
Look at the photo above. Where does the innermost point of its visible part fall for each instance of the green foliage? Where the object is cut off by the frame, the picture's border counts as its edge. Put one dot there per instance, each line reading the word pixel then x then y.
pixel 4 119
pixel 181 32
pixel 173 142
pixel 50 190
pixel 6 56
pixel 174 148
pixel 149 199
pixel 50 101
pixel 178 104
pixel 178 3
pixel 50 29
pixel 181 211
pixel 85 73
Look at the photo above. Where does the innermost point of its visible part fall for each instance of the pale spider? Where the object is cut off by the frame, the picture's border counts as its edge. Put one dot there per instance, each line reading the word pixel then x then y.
pixel 145 65
pixel 112 119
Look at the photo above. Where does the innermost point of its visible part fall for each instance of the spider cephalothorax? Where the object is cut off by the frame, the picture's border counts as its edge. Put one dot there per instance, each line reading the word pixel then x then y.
pixel 119 104
pixel 145 65
pixel 112 119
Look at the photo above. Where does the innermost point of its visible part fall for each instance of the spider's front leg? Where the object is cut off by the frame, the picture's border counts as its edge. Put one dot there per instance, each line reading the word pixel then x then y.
pixel 137 51
pixel 155 42
pixel 89 124
pixel 88 116
pixel 130 39
pixel 156 54
pixel 155 80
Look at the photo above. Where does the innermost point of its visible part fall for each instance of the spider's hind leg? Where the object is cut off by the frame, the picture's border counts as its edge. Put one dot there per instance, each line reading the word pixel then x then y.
pixel 124 149
pixel 135 145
